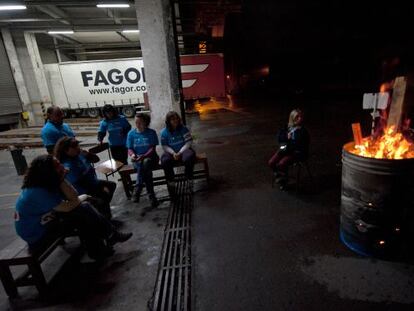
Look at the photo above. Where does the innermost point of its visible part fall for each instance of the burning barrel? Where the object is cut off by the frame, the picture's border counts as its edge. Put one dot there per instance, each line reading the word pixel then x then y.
pixel 377 200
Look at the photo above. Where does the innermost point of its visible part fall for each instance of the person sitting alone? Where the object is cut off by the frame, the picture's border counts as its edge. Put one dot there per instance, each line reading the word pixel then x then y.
pixel 118 127
pixel 54 128
pixel 141 143
pixel 176 140
pixel 48 207
pixel 81 174
pixel 293 147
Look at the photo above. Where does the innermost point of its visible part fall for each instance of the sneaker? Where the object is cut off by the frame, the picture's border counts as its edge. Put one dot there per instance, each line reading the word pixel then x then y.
pixel 153 200
pixel 119 237
pixel 136 195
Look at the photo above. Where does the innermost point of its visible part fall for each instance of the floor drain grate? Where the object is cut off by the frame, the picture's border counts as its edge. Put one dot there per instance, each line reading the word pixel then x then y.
pixel 173 286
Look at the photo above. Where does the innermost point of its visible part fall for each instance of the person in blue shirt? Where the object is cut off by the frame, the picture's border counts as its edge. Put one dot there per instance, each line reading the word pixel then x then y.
pixel 141 143
pixel 118 127
pixel 54 128
pixel 176 141
pixel 48 206
pixel 81 174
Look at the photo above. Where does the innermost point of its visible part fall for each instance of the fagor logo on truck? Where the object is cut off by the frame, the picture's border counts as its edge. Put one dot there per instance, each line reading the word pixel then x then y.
pixel 113 77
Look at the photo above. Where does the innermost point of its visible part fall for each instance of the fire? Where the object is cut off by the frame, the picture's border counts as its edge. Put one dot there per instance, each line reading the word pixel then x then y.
pixel 391 145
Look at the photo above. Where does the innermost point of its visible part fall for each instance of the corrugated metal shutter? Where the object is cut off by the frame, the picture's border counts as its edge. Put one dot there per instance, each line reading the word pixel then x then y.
pixel 10 104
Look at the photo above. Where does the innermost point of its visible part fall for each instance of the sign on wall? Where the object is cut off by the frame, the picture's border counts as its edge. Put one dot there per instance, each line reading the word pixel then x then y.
pixel 103 80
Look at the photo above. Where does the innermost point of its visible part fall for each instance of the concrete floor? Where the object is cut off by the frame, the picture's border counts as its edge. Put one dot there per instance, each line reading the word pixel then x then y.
pixel 254 247
pixel 257 248
pixel 124 282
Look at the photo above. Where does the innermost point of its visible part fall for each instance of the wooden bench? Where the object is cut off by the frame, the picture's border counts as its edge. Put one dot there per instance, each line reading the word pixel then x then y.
pixel 17 254
pixel 127 170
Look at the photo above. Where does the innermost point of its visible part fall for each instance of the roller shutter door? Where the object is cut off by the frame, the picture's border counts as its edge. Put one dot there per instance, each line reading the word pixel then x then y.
pixel 10 104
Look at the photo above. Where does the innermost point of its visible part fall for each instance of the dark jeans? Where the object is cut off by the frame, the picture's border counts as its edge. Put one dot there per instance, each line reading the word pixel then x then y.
pixel 92 227
pixel 144 173
pixel 120 153
pixel 187 158
pixel 102 195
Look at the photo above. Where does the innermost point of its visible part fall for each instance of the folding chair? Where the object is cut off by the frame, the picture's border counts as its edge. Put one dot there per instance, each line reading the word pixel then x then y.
pixel 108 167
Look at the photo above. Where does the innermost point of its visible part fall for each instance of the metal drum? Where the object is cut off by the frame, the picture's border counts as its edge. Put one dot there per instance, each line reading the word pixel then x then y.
pixel 377 203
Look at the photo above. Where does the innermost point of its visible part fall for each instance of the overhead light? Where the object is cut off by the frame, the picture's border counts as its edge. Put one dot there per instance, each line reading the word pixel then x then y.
pixel 113 5
pixel 60 32
pixel 130 31
pixel 12 7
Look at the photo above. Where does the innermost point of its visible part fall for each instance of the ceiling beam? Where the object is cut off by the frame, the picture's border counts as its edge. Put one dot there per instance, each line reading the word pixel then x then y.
pixel 73 2
pixel 76 28
pixel 91 46
pixel 35 19
pixel 56 13
pixel 105 52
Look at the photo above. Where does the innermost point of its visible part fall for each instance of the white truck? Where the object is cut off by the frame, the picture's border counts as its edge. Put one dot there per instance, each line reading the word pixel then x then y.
pixel 83 88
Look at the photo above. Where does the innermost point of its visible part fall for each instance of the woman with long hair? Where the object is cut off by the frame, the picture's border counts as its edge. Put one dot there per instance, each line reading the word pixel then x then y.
pixel 48 206
pixel 118 127
pixel 141 143
pixel 81 174
pixel 293 142
pixel 176 141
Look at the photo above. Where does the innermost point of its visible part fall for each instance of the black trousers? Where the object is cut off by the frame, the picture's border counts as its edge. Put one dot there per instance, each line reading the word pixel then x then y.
pixel 102 195
pixel 188 158
pixel 93 229
pixel 120 153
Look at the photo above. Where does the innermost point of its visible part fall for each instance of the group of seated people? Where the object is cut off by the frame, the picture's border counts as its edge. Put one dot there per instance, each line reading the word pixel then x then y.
pixel 61 192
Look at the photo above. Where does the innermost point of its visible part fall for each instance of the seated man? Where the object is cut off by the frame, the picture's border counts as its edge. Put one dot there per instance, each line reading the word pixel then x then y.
pixel 54 129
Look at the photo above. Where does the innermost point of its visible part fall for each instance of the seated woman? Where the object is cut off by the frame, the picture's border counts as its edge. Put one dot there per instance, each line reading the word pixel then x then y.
pixel 141 143
pixel 176 141
pixel 293 147
pixel 82 175
pixel 48 206
pixel 118 127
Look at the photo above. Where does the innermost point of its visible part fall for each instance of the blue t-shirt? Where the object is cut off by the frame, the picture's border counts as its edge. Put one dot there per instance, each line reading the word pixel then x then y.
pixel 177 139
pixel 81 173
pixel 141 142
pixel 33 211
pixel 51 133
pixel 117 128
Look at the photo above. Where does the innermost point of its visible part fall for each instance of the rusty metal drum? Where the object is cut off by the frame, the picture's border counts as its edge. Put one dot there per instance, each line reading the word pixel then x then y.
pixel 377 203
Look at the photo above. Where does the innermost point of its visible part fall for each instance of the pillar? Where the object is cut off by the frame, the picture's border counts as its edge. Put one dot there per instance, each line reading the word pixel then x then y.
pixel 37 65
pixel 27 67
pixel 16 70
pixel 159 52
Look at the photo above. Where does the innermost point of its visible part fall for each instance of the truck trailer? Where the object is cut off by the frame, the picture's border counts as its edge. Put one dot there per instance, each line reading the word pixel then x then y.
pixel 83 88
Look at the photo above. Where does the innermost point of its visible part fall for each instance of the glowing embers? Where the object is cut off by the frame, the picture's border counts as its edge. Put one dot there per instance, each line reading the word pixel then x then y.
pixel 391 145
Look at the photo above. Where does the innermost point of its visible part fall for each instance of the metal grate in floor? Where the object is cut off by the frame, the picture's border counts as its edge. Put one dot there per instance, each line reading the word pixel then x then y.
pixel 173 286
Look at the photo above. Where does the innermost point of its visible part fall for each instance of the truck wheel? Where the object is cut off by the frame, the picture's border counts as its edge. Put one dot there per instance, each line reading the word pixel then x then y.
pixel 93 113
pixel 129 111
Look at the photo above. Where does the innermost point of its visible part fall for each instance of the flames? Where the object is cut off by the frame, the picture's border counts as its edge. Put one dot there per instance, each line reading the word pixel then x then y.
pixel 391 145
